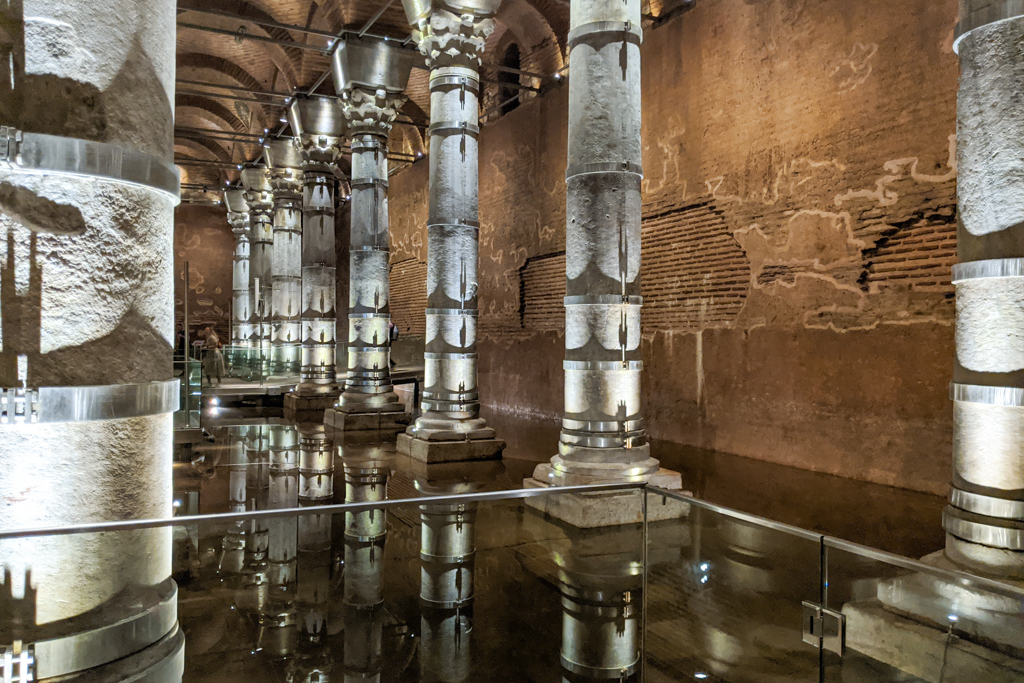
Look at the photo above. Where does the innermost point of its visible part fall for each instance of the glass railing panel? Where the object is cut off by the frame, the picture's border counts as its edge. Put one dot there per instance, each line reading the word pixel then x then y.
pixel 189 374
pixel 724 596
pixel 904 620
pixel 486 587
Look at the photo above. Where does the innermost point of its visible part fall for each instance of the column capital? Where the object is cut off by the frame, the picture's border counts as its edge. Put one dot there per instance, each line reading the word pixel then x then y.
pixel 371 111
pixel 449 39
pixel 319 151
pixel 239 223
pixel 259 194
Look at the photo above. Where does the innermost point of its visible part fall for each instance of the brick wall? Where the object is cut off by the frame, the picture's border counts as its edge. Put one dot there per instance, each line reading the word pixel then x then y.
pixel 799 228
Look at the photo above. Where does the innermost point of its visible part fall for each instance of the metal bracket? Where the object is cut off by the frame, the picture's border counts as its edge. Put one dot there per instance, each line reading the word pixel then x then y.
pixel 631 33
pixel 453 127
pixel 629 167
pixel 824 628
pixel 10 140
pixel 17 663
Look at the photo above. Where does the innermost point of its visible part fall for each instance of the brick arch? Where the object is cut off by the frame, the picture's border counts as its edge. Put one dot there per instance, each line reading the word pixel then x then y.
pixel 204 145
pixel 213 107
pixel 539 44
pixel 201 60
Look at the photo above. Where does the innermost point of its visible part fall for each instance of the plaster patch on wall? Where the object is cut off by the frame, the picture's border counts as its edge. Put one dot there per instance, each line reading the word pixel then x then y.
pixel 855 68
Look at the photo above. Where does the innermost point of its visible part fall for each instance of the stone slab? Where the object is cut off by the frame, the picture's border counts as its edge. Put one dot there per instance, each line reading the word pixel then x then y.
pixel 593 510
pixel 296 403
pixel 346 422
pixel 925 652
pixel 450 451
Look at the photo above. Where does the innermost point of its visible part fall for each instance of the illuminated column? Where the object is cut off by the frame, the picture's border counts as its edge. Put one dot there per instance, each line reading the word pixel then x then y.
pixel 447 560
pixel 318 125
pixel 279 632
pixel 985 518
pixel 602 436
pixel 453 38
pixel 241 311
pixel 366 478
pixel 371 75
pixel 601 619
pixel 86 337
pixel 316 487
pixel 260 197
pixel 285 162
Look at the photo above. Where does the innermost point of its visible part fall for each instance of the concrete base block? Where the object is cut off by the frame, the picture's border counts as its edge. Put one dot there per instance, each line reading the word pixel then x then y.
pixel 450 451
pixel 592 510
pixel 295 403
pixel 342 421
pixel 927 653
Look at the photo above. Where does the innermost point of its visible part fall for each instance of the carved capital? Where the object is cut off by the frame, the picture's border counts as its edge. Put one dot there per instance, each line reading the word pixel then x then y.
pixel 261 204
pixel 449 39
pixel 239 223
pixel 320 152
pixel 371 111
pixel 287 183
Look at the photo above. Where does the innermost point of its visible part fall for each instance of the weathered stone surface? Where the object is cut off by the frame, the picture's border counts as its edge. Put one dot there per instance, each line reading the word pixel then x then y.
pixel 344 421
pixel 602 509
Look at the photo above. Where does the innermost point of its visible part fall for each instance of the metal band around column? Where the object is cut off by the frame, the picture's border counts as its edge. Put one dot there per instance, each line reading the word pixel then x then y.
pixel 52 154
pixel 1012 397
pixel 629 32
pixel 1006 534
pixel 602 365
pixel 368 182
pixel 457 81
pixel 80 651
pixel 471 312
pixel 604 167
pixel 1001 10
pixel 83 404
pixel 453 127
pixel 988 506
pixel 989 268
pixel 603 299
pixel 459 223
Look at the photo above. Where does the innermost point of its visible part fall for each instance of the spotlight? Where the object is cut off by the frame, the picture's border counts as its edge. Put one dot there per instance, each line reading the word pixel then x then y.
pixel 283 120
pixel 558 76
pixel 239 167
pixel 176 504
pixel 419 155
pixel 700 675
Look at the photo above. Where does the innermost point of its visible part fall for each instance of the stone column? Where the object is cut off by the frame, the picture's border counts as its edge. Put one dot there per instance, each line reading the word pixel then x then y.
pixel 371 75
pixel 286 178
pixel 87 388
pixel 241 309
pixel 450 427
pixel 602 435
pixel 985 517
pixel 260 197
pixel 318 125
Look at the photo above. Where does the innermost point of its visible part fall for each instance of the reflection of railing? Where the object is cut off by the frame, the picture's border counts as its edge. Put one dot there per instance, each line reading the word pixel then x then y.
pixel 190 374
pixel 714 595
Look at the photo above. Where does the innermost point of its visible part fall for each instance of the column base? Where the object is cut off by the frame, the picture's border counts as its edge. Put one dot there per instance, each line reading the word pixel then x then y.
pixel 463 450
pixel 308 407
pixel 344 421
pixel 615 508
pixel 907 626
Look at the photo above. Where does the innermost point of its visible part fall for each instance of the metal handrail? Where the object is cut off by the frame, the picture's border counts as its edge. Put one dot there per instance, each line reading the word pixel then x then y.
pixel 133 525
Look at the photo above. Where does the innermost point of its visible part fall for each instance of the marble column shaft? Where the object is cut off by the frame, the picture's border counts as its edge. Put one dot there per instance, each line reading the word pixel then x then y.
pixel 368 386
pixel 320 155
pixel 984 521
pixel 450 406
pixel 602 435
pixel 286 271
pixel 260 197
pixel 241 308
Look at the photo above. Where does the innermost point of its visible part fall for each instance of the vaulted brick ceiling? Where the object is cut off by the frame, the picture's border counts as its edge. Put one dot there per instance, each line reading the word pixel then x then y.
pixel 250 45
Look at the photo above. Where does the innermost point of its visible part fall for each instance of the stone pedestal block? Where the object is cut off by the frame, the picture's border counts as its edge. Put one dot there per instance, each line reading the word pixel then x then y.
pixel 450 451
pixel 341 421
pixel 592 510
pixel 308 408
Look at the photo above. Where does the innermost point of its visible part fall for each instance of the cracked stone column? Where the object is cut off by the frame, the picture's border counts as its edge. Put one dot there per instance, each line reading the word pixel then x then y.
pixel 318 124
pixel 452 37
pixel 241 309
pixel 260 197
pixel 602 436
pixel 87 389
pixel 371 75
pixel 984 521
pixel 285 161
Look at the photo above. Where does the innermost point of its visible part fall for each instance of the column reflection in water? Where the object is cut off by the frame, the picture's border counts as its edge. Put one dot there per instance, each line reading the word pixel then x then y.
pixel 367 467
pixel 278 632
pixel 316 487
pixel 447 557
pixel 601 611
